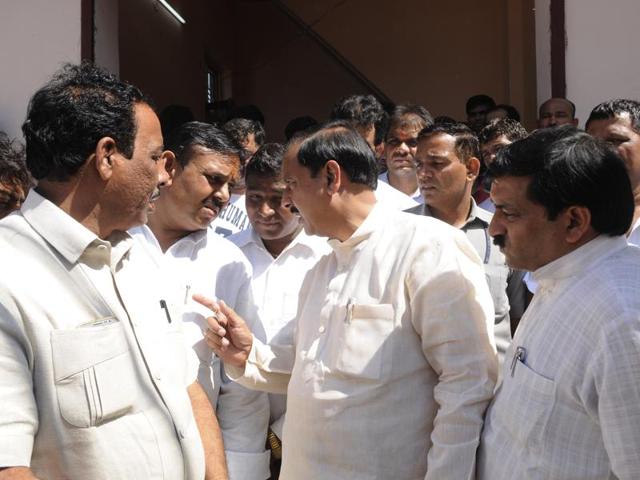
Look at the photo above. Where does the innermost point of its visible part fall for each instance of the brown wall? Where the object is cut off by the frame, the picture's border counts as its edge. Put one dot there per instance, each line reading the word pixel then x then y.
pixel 168 60
pixel 433 53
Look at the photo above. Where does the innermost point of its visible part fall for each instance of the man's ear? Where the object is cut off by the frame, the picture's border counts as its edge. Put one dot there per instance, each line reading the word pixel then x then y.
pixel 333 176
pixel 170 165
pixel 473 168
pixel 578 223
pixel 103 157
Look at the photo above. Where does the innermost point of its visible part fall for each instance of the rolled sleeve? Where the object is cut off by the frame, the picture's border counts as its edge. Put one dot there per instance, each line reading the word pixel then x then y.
pixel 453 314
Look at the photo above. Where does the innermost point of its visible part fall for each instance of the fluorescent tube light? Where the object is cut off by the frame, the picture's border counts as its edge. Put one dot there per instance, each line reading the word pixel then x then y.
pixel 172 11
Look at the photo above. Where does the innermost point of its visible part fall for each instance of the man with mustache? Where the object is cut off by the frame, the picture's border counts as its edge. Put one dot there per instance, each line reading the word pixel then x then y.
pixel 204 162
pixel 94 380
pixel 447 162
pixel 569 403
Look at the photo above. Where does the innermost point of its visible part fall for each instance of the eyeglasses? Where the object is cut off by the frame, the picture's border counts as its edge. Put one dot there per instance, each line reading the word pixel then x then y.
pixel 396 142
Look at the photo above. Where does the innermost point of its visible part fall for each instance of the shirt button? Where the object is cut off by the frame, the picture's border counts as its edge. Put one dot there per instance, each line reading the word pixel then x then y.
pixel 102 247
pixel 157 377
pixel 321 329
pixel 181 433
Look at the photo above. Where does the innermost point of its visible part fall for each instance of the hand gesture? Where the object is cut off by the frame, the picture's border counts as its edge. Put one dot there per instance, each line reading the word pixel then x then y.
pixel 227 334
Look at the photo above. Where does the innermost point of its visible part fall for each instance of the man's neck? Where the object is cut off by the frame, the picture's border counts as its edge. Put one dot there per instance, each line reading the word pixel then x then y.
pixel 276 246
pixel 355 208
pixel 405 181
pixel 79 201
pixel 165 235
pixel 455 215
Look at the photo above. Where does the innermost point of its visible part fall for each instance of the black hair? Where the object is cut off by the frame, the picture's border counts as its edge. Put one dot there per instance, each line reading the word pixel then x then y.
pixel 69 115
pixel 478 100
pixel 298 124
pixel 266 162
pixel 444 119
pixel 13 168
pixel 510 110
pixel 249 112
pixel 240 128
pixel 362 111
pixel 615 108
pixel 466 144
pixel 502 126
pixel 339 141
pixel 569 167
pixel 199 134
pixel 410 116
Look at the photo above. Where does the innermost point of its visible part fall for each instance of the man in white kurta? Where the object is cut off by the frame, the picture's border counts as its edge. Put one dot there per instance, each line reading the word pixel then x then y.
pixel 569 403
pixel 194 259
pixel 390 364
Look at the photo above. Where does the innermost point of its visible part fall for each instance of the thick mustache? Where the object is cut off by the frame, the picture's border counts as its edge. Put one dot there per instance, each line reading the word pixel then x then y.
pixel 214 202
pixel 499 240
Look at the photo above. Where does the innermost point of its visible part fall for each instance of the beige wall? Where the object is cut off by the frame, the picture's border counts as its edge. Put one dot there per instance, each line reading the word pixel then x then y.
pixel 37 37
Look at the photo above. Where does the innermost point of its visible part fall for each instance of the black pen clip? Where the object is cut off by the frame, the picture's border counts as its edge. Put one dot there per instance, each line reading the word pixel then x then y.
pixel 163 305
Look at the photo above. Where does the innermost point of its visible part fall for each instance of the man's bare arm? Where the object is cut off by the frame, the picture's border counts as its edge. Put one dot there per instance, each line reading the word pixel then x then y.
pixel 16 473
pixel 215 465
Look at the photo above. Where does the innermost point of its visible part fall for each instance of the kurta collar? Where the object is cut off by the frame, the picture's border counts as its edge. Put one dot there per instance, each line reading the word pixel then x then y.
pixel 68 236
pixel 580 260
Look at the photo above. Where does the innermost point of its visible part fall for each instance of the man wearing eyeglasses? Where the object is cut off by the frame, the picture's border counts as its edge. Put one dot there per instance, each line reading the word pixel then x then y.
pixel 400 149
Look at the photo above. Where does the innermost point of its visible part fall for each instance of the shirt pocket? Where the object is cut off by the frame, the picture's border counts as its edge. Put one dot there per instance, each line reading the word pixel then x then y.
pixel 94 374
pixel 363 348
pixel 526 407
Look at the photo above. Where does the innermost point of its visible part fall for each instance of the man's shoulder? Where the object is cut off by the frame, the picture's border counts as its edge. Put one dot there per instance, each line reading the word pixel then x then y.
pixel 241 238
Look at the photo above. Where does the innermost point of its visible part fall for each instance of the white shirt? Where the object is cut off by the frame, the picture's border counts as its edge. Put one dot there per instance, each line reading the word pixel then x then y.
pixel 93 378
pixel 634 236
pixel 232 218
pixel 394 199
pixel 390 364
pixel 274 289
pixel 415 196
pixel 205 263
pixel 569 408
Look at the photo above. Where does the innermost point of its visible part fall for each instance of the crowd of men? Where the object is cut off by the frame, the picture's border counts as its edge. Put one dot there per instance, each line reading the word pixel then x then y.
pixel 385 295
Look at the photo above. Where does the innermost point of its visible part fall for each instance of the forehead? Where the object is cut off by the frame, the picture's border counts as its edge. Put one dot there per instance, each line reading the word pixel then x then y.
pixel 555 106
pixel 618 124
pixel 147 123
pixel 509 190
pixel 442 143
pixel 403 132
pixel 264 183
pixel 290 163
pixel 499 140
pixel 203 158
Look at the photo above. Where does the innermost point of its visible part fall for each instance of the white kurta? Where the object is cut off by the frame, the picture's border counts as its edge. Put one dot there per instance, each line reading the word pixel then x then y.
pixel 390 365
pixel 569 403
pixel 205 263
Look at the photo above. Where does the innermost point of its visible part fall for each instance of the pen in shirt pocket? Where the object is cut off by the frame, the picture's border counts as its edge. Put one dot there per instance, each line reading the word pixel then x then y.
pixel 187 290
pixel 350 304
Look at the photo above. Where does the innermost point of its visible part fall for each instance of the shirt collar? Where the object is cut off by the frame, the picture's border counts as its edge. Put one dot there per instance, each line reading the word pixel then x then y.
pixel 68 236
pixel 579 260
pixel 477 216
pixel 249 236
